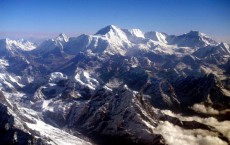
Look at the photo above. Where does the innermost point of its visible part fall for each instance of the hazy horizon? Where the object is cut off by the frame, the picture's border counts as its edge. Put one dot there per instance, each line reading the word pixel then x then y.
pixel 39 20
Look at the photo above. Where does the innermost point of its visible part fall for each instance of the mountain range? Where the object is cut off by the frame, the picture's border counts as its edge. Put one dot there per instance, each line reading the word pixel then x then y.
pixel 118 86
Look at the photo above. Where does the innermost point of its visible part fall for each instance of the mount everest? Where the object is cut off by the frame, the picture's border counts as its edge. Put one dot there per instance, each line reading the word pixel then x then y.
pixel 118 86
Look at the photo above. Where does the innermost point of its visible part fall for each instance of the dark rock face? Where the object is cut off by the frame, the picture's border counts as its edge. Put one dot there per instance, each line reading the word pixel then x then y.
pixel 113 118
pixel 162 95
pixel 195 90
pixel 185 92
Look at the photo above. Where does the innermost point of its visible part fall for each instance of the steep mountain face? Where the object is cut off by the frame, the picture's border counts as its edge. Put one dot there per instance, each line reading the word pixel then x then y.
pixel 117 118
pixel 192 39
pixel 51 45
pixel 217 55
pixel 157 36
pixel 118 86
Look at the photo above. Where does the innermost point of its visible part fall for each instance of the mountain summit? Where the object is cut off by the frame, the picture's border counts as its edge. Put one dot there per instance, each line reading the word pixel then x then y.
pixel 192 39
pixel 107 29
pixel 62 37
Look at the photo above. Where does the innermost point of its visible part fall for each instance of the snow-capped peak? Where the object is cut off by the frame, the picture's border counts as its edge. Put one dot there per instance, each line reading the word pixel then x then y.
pixel 112 32
pixel 116 38
pixel 192 39
pixel 21 44
pixel 55 43
pixel 195 33
pixel 62 38
pixel 107 29
pixel 200 35
pixel 137 33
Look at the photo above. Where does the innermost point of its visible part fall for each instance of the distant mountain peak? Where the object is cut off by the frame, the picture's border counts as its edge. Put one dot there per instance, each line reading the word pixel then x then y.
pixel 21 44
pixel 107 29
pixel 192 39
pixel 62 37
pixel 195 33
pixel 114 34
pixel 7 40
pixel 112 26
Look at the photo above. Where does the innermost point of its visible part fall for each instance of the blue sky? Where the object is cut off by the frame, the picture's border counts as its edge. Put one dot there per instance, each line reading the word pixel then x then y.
pixel 47 18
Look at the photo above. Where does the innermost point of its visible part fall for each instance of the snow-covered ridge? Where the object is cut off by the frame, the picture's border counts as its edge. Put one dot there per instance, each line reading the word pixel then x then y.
pixel 191 39
pixel 114 40
pixel 62 38
pixel 156 36
pixel 137 33
pixel 21 44
pixel 84 78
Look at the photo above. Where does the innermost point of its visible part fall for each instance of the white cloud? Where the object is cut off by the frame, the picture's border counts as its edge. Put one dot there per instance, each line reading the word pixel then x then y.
pixel 222 126
pixel 203 109
pixel 176 135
